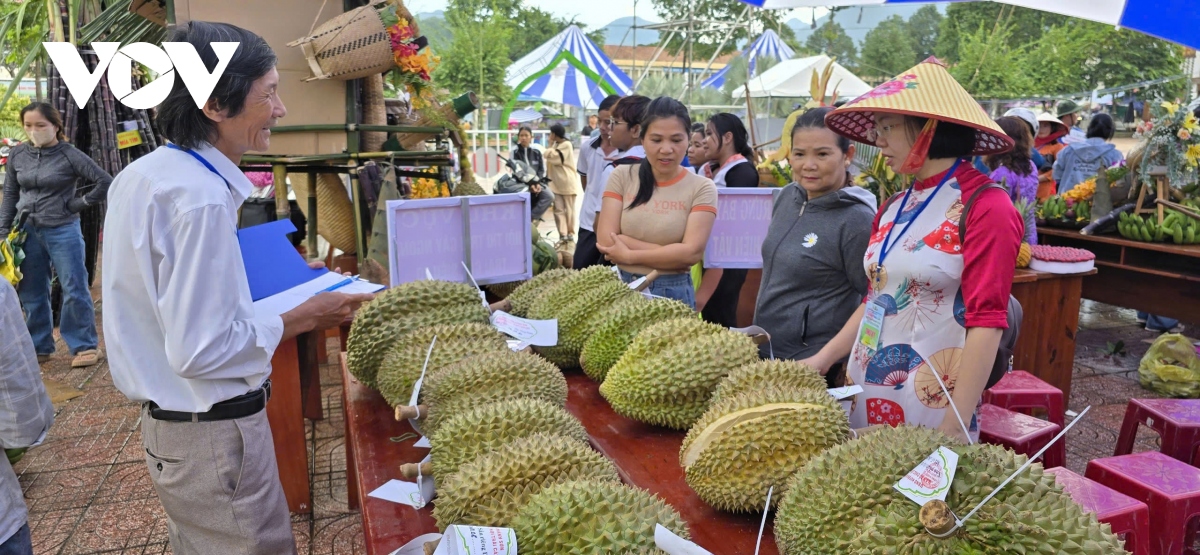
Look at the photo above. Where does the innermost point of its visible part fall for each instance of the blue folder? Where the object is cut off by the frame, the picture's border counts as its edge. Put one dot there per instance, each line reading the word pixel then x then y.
pixel 273 265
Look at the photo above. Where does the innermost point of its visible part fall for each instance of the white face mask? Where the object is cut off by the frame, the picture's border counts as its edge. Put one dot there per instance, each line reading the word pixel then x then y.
pixel 41 137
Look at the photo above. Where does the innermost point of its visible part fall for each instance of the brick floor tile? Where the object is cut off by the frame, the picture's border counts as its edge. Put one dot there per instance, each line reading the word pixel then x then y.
pixel 63 489
pixel 85 421
pixel 75 452
pixel 340 535
pixel 128 526
pixel 126 482
pixel 50 530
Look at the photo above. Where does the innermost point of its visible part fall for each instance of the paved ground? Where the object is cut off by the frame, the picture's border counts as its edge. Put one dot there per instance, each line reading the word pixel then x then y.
pixel 89 492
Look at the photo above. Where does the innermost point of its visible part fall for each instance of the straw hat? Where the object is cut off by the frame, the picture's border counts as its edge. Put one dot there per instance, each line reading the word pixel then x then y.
pixel 1047 117
pixel 925 91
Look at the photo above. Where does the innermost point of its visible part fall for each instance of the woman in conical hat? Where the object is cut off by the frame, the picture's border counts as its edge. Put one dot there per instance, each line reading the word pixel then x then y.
pixel 936 304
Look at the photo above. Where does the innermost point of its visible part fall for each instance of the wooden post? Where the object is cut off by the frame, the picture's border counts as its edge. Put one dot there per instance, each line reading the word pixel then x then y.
pixel 285 412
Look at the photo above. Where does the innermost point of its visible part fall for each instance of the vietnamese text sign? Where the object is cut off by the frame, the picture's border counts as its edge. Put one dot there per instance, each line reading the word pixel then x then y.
pixel 490 234
pixel 743 216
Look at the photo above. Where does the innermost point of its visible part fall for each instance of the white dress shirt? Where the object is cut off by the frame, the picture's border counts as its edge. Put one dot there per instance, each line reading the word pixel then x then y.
pixel 178 318
pixel 593 197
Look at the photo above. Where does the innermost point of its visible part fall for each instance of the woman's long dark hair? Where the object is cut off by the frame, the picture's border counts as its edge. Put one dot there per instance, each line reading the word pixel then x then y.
pixel 50 113
pixel 662 107
pixel 1019 159
pixel 726 122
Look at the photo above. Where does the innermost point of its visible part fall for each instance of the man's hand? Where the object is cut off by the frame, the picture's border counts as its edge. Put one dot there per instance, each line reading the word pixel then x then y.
pixel 318 264
pixel 535 189
pixel 323 311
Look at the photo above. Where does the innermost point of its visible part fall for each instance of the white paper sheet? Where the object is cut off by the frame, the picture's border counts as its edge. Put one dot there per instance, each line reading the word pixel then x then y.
pixel 666 540
pixel 282 302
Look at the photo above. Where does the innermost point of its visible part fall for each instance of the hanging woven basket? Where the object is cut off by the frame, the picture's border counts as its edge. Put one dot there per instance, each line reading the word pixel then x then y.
pixel 437 115
pixel 335 215
pixel 352 45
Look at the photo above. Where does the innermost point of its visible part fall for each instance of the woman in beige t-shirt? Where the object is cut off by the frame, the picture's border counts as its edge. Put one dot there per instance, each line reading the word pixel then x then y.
pixel 657 215
pixel 564 181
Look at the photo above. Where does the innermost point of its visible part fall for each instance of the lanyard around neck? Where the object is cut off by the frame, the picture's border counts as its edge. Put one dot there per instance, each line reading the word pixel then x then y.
pixel 884 249
pixel 202 161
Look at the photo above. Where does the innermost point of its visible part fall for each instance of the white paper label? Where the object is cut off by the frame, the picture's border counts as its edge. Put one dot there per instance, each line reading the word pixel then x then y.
pixel 637 283
pixel 482 295
pixel 516 345
pixel 416 392
pixel 666 540
pixel 477 540
pixel 840 393
pixel 931 479
pixel 414 494
pixel 423 443
pixel 543 333
pixel 417 545
pixel 428 274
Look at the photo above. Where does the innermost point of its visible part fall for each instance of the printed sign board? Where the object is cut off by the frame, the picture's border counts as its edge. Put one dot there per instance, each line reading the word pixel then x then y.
pixel 743 216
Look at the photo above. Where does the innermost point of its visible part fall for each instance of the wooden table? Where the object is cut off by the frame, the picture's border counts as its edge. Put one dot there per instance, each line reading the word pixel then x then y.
pixel 295 395
pixel 1158 278
pixel 646 456
pixel 1046 346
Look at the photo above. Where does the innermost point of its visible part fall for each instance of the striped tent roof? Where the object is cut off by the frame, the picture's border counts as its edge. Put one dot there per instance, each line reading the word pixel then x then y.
pixel 1173 20
pixel 565 83
pixel 767 45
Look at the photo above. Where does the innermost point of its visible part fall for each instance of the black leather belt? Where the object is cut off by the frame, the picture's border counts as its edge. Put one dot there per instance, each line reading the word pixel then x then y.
pixel 237 407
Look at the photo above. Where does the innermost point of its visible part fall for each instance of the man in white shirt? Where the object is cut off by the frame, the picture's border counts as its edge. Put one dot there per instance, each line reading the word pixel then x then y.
pixel 182 333
pixel 596 154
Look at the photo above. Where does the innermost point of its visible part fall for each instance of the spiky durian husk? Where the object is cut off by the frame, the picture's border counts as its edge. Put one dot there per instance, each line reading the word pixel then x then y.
pixel 755 440
pixel 843 502
pixel 468 188
pixel 551 304
pixel 487 378
pixel 401 366
pixel 525 294
pixel 765 375
pixel 465 436
pixel 577 320
pixel 590 518
pixel 668 374
pixel 492 489
pixel 610 339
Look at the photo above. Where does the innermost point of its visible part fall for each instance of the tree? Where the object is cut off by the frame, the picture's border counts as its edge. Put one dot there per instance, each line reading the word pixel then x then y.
pixel 477 58
pixel 988 67
pixel 923 28
pixel 831 39
pixel 1085 55
pixel 887 50
pixel 705 41
pixel 964 18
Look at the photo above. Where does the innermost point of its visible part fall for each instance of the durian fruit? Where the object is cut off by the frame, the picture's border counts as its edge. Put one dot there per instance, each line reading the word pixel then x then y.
pixel 668 374
pixel 523 296
pixel 752 440
pixel 487 378
pixel 843 502
pixel 589 518
pixel 467 435
pixel 553 302
pixel 468 188
pixel 610 339
pixel 492 489
pixel 1024 255
pixel 402 309
pixel 767 375
pixel 503 290
pixel 577 320
pixel 401 366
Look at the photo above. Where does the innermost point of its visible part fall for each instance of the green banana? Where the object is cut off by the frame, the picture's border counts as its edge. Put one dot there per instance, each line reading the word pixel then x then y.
pixel 1190 236
pixel 1177 235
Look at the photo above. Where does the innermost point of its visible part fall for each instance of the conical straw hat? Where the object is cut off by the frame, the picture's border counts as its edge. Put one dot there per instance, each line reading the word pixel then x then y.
pixel 926 91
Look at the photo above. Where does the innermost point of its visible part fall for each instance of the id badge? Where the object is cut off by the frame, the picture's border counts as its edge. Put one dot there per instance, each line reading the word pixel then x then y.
pixel 872 325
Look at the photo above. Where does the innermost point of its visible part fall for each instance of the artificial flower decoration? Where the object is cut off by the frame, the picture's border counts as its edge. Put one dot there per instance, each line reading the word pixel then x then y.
pixel 414 68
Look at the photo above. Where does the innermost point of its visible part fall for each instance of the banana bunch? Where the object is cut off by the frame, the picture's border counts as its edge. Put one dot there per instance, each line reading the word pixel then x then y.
pixel 1176 228
pixel 1083 211
pixel 1083 191
pixel 1053 208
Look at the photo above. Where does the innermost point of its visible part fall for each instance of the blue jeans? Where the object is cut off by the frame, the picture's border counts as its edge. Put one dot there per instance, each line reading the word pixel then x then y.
pixel 1157 323
pixel 671 286
pixel 61 247
pixel 20 543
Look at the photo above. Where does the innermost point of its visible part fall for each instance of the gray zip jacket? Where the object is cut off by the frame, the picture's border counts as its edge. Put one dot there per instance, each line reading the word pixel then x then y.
pixel 43 181
pixel 813 277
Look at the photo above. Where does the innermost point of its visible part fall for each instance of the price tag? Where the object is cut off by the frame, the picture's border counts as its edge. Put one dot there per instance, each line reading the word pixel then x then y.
pixel 840 393
pixel 428 274
pixel 477 540
pixel 516 345
pixel 931 479
pixel 482 294
pixel 667 541
pixel 543 333
pixel 872 325
pixel 126 139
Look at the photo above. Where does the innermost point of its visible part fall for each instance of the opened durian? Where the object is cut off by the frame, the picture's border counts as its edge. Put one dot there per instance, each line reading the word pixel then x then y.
pixel 590 518
pixel 492 489
pixel 610 339
pixel 570 290
pixel 525 294
pixel 394 312
pixel 753 440
pixel 843 502
pixel 401 366
pixel 468 435
pixel 766 375
pixel 487 378
pixel 668 374
pixel 577 320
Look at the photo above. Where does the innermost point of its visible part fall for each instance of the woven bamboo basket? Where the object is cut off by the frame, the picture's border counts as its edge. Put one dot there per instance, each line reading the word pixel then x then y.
pixel 374 113
pixel 434 116
pixel 335 217
pixel 352 45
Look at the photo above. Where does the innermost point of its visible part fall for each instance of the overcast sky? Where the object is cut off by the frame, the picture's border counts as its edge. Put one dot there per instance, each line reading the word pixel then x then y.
pixel 594 13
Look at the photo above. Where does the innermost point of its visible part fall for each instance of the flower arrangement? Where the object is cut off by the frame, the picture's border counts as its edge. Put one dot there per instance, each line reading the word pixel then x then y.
pixel 1173 141
pixel 1087 188
pixel 414 68
pixel 429 187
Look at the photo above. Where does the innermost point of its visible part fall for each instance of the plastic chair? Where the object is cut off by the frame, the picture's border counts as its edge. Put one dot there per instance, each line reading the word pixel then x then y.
pixel 1177 422
pixel 1127 516
pixel 1168 487
pixel 1020 391
pixel 1021 433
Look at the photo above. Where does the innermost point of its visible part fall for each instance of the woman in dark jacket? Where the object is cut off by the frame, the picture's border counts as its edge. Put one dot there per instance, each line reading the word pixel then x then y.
pixel 813 277
pixel 40 180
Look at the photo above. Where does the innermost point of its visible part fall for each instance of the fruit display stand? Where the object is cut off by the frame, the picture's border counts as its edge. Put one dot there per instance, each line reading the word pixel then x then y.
pixel 1046 345
pixel 1158 278
pixel 646 456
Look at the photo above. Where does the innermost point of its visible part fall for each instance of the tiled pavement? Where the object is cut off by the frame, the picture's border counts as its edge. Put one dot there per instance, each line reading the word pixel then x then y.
pixel 89 492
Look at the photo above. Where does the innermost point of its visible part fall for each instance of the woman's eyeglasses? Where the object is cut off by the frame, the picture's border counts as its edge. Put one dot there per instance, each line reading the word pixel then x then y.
pixel 614 122
pixel 873 134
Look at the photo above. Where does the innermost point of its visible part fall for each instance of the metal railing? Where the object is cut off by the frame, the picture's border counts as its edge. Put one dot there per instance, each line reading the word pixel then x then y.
pixel 502 139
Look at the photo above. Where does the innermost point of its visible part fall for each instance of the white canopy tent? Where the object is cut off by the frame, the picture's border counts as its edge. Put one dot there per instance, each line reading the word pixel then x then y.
pixel 793 78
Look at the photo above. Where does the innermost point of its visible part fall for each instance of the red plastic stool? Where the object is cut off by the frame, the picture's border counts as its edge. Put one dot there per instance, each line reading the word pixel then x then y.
pixel 1171 489
pixel 1021 433
pixel 1127 516
pixel 1177 422
pixel 1019 390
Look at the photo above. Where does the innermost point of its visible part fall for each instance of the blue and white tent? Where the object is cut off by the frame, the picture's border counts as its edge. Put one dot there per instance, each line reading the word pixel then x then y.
pixel 767 45
pixel 1173 20
pixel 565 83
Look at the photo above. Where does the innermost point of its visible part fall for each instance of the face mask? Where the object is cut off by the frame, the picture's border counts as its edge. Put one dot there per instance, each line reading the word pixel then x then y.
pixel 41 137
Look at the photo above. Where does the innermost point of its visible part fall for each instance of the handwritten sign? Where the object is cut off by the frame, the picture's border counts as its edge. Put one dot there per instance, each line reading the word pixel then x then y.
pixel 743 216
pixel 931 479
pixel 477 540
pixel 488 234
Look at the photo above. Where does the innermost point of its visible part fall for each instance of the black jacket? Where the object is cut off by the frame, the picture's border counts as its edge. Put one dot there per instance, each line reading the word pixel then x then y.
pixel 43 182
pixel 531 156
